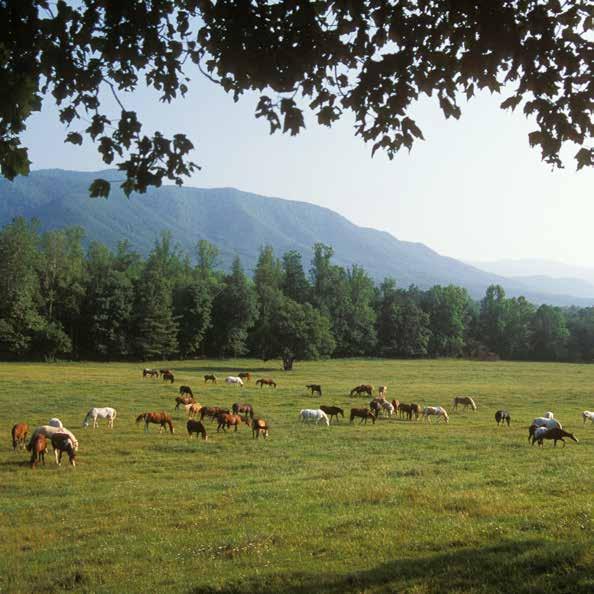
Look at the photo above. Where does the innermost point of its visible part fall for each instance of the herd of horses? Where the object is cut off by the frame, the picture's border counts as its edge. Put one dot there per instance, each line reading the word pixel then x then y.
pixel 63 440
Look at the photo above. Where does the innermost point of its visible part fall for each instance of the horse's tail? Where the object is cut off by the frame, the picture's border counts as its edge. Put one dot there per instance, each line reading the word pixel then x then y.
pixel 168 421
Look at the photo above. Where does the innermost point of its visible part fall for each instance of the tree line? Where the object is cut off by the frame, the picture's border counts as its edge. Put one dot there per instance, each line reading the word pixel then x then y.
pixel 59 300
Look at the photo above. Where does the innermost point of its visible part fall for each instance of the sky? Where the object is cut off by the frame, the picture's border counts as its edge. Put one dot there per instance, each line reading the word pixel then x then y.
pixel 474 190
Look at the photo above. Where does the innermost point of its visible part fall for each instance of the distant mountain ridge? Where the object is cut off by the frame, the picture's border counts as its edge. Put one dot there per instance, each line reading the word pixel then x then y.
pixel 240 223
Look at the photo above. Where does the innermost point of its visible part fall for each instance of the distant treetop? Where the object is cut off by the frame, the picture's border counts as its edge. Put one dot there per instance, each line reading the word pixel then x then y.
pixel 372 57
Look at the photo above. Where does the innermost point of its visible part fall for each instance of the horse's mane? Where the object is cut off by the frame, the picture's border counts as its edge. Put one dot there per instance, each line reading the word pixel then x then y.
pixel 140 417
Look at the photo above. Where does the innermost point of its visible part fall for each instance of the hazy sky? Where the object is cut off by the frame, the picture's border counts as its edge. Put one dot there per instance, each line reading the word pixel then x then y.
pixel 474 190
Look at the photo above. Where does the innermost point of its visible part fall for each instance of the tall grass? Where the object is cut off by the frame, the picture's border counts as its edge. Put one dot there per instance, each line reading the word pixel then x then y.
pixel 391 507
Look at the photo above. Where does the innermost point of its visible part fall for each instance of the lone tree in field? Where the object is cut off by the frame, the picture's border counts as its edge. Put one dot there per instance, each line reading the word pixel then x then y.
pixel 371 57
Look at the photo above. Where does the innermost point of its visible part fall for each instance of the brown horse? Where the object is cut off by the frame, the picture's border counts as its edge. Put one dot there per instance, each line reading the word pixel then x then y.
pixel 226 421
pixel 332 411
pixel 183 390
pixel 212 412
pixel 247 409
pixel 396 405
pixel 19 435
pixel 154 373
pixel 161 418
pixel 259 426
pixel 183 400
pixel 315 389
pixel 245 375
pixel 266 382
pixel 405 410
pixel 38 447
pixel 363 414
pixel 168 376
pixel 62 443
pixel 196 427
pixel 210 378
pixel 415 411
pixel 362 389
pixel 556 434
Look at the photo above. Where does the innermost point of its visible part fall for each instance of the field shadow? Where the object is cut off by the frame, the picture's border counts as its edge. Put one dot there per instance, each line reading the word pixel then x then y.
pixel 519 567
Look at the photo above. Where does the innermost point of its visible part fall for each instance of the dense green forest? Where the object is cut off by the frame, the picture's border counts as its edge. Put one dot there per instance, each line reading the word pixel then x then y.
pixel 56 300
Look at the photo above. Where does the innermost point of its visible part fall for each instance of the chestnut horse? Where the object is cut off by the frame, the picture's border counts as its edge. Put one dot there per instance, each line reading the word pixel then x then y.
pixel 259 426
pixel 363 414
pixel 266 381
pixel 196 427
pixel 247 409
pixel 332 411
pixel 158 418
pixel 245 375
pixel 38 448
pixel 362 389
pixel 226 421
pixel 167 376
pixel 183 400
pixel 212 412
pixel 19 435
pixel 210 378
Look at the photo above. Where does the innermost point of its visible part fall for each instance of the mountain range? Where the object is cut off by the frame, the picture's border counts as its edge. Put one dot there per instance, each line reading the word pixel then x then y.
pixel 240 223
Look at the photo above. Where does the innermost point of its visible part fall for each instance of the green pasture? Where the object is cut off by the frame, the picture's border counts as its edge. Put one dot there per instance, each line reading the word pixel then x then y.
pixel 393 507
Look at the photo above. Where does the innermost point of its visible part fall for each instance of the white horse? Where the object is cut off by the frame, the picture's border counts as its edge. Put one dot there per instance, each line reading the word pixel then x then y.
pixel 311 415
pixel 232 379
pixel 548 415
pixel 55 422
pixel 388 407
pixel 587 414
pixel 435 411
pixel 104 413
pixel 50 431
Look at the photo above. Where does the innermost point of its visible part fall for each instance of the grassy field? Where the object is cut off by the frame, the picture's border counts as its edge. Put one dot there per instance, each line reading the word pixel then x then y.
pixel 395 507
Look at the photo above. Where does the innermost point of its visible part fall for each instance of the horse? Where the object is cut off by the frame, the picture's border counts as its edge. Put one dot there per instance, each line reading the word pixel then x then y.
pixel 315 389
pixel 55 422
pixel 212 412
pixel 234 380
pixel 245 375
pixel 405 410
pixel 266 381
pixel 48 431
pixel 183 390
pixel 38 447
pixel 183 400
pixel 192 409
pixel 196 427
pixel 226 421
pixel 259 426
pixel 464 400
pixel 210 378
pixel 168 376
pixel 311 415
pixel 382 391
pixel 104 413
pixel 62 443
pixel 376 406
pixel 247 409
pixel 332 411
pixel 549 415
pixel 387 407
pixel 158 418
pixel 502 416
pixel 362 389
pixel 153 373
pixel 556 434
pixel 19 435
pixel 542 422
pixel 415 411
pixel 363 414
pixel 396 405
pixel 588 415
pixel 435 411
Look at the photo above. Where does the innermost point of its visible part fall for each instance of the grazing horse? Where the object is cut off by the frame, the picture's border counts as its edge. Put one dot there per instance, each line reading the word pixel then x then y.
pixel 314 415
pixel 210 378
pixel 405 410
pixel 266 381
pixel 168 376
pixel 48 431
pixel 226 421
pixel 154 373
pixel 62 443
pixel 183 390
pixel 247 409
pixel 315 389
pixel 382 391
pixel 55 422
pixel 19 435
pixel 556 434
pixel 212 412
pixel 466 401
pixel 363 414
pixel 362 389
pixel 38 447
pixel 259 426
pixel 502 416
pixel 435 411
pixel 192 409
pixel 234 380
pixel 376 406
pixel 542 422
pixel 104 413
pixel 245 375
pixel 588 415
pixel 396 405
pixel 158 418
pixel 415 411
pixel 332 411
pixel 179 400
pixel 196 427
